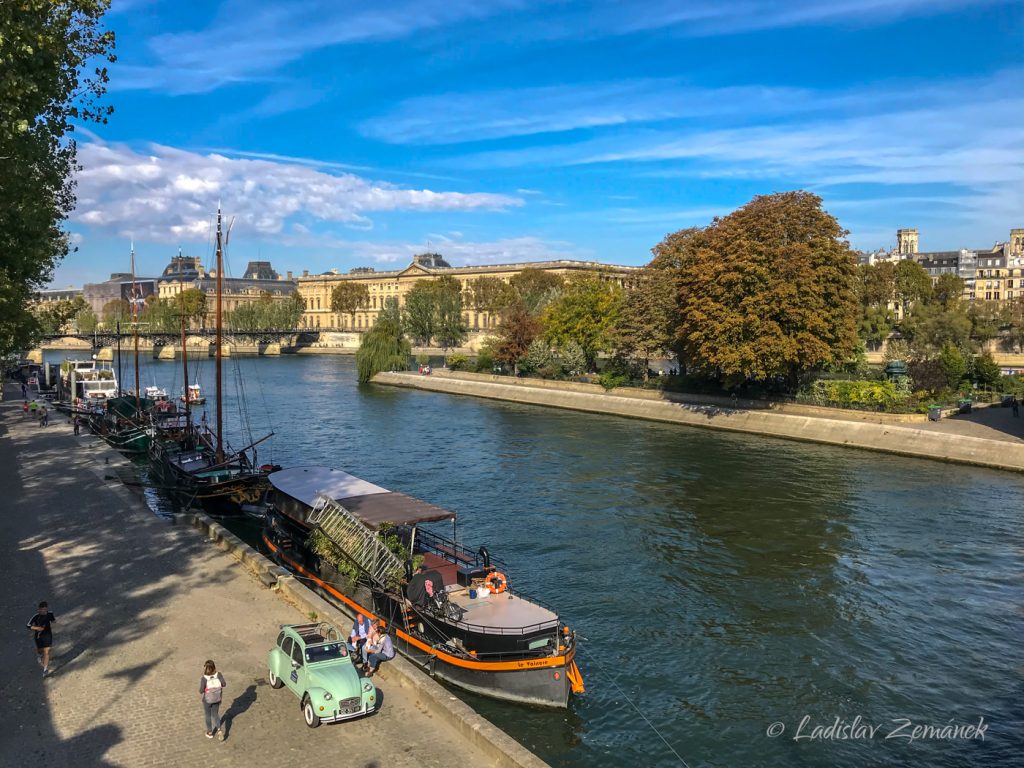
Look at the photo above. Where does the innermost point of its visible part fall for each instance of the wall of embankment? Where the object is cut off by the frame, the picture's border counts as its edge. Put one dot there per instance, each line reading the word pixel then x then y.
pixel 851 432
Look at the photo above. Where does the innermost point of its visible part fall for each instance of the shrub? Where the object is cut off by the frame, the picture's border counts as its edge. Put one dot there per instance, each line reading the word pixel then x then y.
pixel 861 395
pixel 422 358
pixel 538 355
pixel 458 362
pixel 611 379
pixel 484 362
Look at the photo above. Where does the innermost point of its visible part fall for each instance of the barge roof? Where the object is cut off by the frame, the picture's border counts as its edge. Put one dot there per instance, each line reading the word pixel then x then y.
pixel 370 503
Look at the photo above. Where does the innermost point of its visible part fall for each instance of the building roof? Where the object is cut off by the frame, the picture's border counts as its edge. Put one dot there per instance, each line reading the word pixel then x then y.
pixel 594 266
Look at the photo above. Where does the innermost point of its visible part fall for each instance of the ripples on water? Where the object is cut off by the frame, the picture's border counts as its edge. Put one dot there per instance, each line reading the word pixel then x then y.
pixel 723 582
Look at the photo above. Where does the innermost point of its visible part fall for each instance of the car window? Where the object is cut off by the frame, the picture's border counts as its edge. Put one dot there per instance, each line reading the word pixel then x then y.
pixel 325 652
pixel 280 640
pixel 286 646
pixel 297 653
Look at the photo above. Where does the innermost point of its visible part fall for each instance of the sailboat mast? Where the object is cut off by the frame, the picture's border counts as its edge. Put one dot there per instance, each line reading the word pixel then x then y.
pixel 135 334
pixel 184 373
pixel 220 399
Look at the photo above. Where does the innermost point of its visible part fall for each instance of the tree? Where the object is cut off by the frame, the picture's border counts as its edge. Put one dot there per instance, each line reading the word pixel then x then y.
pixel 289 311
pixel 384 347
pixel 572 358
pixel 349 297
pixel 875 325
pixel 538 355
pixel 489 294
pixel 876 283
pixel 931 326
pixel 518 328
pixel 192 304
pixel 767 291
pixel 986 371
pixel 55 317
pixel 86 320
pixel 45 47
pixel 449 326
pixel 586 311
pixel 953 365
pixel 649 314
pixel 536 288
pixel 116 311
pixel 911 285
pixel 948 290
pixel 1015 323
pixel 420 314
pixel 986 318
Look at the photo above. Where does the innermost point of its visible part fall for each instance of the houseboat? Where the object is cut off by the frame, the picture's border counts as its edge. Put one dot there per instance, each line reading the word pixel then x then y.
pixel 458 615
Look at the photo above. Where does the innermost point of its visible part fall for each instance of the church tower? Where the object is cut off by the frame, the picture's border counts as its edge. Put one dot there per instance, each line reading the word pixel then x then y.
pixel 1016 242
pixel 906 242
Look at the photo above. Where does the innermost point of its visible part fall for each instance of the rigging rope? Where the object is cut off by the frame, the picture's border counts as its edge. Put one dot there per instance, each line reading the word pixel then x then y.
pixel 612 680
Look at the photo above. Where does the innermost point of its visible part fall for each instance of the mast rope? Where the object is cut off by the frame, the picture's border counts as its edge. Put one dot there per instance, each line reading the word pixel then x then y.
pixel 612 680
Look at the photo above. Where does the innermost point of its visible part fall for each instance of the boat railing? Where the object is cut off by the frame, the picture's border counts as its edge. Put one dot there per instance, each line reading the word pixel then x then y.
pixel 428 541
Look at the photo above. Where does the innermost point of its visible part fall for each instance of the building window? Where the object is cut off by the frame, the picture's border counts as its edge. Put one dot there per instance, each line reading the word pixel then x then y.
pixel 318 302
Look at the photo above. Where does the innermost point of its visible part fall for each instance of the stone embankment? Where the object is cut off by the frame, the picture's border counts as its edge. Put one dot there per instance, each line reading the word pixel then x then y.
pixel 142 602
pixel 980 444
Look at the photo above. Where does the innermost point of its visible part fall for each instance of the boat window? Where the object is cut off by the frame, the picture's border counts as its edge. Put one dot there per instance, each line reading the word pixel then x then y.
pixel 326 652
pixel 297 653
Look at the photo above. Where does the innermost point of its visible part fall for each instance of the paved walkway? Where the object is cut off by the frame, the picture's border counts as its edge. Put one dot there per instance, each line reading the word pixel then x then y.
pixel 992 423
pixel 140 605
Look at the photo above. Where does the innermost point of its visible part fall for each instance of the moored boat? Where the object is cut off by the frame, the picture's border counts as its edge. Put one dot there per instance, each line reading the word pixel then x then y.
pixel 458 616
pixel 193 395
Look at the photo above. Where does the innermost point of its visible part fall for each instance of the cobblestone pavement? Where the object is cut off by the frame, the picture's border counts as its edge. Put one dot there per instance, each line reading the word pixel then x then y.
pixel 140 605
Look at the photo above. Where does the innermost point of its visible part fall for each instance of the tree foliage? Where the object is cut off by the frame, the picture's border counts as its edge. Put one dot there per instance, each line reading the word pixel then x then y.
pixel 930 326
pixel 953 364
pixel 948 290
pixel 433 310
pixel 46 49
pixel 911 284
pixel 647 322
pixel 586 311
pixel 384 347
pixel 489 294
pixel 348 297
pixel 268 313
pixel 769 290
pixel 420 316
pixel 876 283
pixel 57 316
pixel 535 288
pixel 518 329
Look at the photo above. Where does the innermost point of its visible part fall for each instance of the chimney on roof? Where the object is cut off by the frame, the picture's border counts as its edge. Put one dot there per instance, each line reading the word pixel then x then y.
pixel 305 273
pixel 289 274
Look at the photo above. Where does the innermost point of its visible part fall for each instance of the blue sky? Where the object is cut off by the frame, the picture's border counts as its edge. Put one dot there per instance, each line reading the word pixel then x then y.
pixel 342 134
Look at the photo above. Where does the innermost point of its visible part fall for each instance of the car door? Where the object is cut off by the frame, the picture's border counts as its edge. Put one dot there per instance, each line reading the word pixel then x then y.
pixel 288 672
pixel 298 675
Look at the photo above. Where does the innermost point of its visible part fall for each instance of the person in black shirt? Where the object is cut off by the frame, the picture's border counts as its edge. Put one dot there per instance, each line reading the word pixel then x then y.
pixel 40 625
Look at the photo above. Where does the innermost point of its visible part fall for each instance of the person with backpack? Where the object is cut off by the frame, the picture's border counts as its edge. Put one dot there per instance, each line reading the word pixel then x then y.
pixel 211 689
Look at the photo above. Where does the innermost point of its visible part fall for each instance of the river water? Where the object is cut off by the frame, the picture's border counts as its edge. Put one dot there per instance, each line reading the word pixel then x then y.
pixel 726 585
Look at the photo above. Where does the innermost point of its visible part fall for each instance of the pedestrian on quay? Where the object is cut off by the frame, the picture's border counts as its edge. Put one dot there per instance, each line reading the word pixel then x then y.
pixel 33 407
pixel 24 408
pixel 44 417
pixel 40 624
pixel 377 650
pixel 77 424
pixel 211 690
pixel 24 391
pixel 1015 405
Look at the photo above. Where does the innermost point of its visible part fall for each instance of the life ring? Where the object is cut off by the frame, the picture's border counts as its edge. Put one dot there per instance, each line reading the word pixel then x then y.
pixel 497 582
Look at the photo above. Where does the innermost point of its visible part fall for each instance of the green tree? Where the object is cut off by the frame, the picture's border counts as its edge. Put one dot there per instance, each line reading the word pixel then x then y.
pixel 538 355
pixel 349 297
pixel 536 288
pixel 986 371
pixel 46 48
pixel 116 311
pixel 450 327
pixel 769 290
pixel 586 311
pixel 931 326
pixel 288 311
pixel 1014 337
pixel 573 360
pixel 953 365
pixel 192 303
pixel 384 347
pixel 876 283
pixel 245 317
pixel 86 320
pixel 876 323
pixel 948 290
pixel 488 294
pixel 986 317
pixel 911 285
pixel 650 313
pixel 518 328
pixel 420 317
pixel 55 317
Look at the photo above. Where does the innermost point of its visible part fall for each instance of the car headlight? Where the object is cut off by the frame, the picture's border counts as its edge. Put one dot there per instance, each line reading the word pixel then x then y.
pixel 327 697
pixel 367 686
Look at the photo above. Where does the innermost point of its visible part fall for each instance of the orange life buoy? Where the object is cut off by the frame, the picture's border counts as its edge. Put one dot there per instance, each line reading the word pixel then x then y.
pixel 497 582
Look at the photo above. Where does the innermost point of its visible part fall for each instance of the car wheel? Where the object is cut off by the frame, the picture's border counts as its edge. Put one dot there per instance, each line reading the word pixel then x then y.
pixel 311 718
pixel 275 681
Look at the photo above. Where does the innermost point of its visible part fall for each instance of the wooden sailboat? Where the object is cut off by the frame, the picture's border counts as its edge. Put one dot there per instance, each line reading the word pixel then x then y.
pixel 193 463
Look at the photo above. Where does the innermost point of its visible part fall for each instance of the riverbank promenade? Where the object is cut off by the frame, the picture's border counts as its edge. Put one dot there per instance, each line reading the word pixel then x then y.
pixel 140 605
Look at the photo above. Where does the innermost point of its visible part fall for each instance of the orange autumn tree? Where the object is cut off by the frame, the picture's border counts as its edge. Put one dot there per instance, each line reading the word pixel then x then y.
pixel 767 291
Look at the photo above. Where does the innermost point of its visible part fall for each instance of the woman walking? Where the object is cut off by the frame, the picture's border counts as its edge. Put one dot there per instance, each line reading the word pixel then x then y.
pixel 211 689
pixel 40 624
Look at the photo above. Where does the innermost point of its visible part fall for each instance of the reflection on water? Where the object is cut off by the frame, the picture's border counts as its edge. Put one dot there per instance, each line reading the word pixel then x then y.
pixel 723 582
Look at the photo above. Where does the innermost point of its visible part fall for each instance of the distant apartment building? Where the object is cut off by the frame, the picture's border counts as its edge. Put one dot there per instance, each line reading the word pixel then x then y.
pixel 316 290
pixel 989 274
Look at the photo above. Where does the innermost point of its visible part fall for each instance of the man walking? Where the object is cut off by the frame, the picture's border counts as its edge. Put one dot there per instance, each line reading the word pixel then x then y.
pixel 40 624
pixel 77 423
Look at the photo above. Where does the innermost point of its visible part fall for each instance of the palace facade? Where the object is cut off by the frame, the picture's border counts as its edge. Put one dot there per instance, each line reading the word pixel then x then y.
pixel 316 290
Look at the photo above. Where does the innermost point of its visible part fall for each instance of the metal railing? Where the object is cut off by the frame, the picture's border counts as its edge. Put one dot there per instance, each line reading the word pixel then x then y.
pixel 357 542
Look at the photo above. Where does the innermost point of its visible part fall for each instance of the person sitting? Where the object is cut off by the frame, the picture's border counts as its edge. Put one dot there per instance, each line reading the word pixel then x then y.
pixel 359 635
pixel 377 650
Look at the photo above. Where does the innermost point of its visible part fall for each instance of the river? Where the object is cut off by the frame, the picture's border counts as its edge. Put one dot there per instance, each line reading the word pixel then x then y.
pixel 727 585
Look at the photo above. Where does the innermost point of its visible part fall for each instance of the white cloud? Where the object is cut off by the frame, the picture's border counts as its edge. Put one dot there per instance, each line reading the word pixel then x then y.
pixel 169 194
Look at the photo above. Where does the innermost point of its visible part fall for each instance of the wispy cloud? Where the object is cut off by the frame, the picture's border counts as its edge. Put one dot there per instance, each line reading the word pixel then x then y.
pixel 167 194
pixel 249 42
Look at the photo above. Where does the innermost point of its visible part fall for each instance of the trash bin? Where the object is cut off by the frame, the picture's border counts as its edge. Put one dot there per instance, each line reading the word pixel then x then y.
pixel 965 405
pixel 934 413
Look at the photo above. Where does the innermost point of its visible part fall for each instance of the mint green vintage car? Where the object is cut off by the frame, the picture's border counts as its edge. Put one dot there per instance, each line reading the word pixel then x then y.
pixel 312 660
